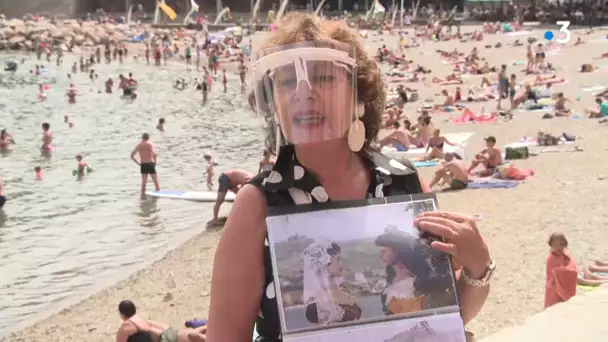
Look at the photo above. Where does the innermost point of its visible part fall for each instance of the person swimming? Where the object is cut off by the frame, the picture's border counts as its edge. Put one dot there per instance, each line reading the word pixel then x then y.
pixel 161 125
pixel 5 140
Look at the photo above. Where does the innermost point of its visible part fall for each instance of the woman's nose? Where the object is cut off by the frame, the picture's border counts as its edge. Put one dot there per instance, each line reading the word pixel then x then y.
pixel 303 90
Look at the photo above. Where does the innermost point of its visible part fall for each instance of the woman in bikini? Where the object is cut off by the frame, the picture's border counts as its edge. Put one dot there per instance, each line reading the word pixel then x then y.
pixel 435 145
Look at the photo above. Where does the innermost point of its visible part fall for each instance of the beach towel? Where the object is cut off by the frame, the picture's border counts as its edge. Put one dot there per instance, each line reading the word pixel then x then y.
pixel 562 278
pixel 593 88
pixel 492 184
pixel 425 163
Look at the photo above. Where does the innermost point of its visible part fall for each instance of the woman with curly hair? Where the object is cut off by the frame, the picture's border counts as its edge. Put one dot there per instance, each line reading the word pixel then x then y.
pixel 322 98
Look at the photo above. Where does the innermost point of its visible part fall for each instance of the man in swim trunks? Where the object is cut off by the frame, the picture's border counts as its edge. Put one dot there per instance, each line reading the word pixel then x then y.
pixel 230 180
pixel 147 162
pixel 47 138
pixel 490 158
pixel 399 139
pixel 452 171
pixel 134 326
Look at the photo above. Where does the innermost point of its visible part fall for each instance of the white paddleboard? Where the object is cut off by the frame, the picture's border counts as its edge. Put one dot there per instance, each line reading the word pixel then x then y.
pixel 196 196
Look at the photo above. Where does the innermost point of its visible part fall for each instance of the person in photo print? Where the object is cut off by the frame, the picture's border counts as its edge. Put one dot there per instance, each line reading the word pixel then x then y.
pixel 327 301
pixel 404 266
pixel 321 98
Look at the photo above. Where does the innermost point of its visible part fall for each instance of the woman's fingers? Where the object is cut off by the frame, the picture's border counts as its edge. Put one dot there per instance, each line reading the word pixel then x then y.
pixel 445 247
pixel 436 226
pixel 456 217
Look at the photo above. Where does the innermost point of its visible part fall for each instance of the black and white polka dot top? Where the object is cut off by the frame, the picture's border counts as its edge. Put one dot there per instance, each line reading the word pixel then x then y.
pixel 288 184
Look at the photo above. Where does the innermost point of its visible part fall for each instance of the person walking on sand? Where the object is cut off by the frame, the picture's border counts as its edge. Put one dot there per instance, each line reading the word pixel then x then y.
pixel 147 162
pixel 230 180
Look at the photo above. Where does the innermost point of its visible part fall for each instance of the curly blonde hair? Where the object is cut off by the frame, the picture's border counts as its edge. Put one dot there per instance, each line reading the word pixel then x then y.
pixel 296 27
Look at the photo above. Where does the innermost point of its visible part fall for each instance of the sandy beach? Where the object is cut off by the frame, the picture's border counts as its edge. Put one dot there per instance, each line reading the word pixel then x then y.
pixel 563 196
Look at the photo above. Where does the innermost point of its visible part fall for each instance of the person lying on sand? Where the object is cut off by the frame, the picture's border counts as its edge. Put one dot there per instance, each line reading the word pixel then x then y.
pixel 435 144
pixel 560 106
pixel 601 111
pixel 449 79
pixel 590 276
pixel 585 68
pixel 452 172
pixel 544 79
pixel 480 95
pixel 135 328
pixel 490 158
pixel 399 139
pixel 604 55
pixel 579 41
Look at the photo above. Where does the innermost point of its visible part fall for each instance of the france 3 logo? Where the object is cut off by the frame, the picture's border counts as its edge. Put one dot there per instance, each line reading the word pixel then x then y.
pixel 563 36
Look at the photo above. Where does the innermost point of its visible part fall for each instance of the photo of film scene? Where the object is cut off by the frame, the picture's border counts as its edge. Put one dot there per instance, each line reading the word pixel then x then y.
pixel 362 267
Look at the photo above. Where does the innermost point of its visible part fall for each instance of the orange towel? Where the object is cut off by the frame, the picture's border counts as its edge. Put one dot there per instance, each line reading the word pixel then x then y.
pixel 561 278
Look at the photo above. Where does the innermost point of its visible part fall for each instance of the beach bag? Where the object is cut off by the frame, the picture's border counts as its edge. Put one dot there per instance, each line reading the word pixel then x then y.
pixel 520 152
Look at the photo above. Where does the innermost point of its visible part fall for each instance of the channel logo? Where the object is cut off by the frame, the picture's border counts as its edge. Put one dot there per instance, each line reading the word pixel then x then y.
pixel 564 34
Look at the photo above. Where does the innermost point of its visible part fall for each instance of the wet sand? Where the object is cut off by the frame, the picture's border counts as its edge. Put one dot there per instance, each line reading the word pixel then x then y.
pixel 564 196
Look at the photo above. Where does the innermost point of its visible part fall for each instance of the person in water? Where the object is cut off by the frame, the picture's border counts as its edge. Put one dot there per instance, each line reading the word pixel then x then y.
pixel 209 170
pixel 230 180
pixel 47 138
pixel 321 158
pixel 137 329
pixel 71 94
pixel 2 196
pixel 5 140
pixel 452 171
pixel 81 166
pixel 490 157
pixel 266 163
pixel 161 125
pixel 147 162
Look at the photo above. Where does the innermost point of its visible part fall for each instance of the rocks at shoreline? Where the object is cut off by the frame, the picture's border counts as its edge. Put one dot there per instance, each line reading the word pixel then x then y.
pixel 18 34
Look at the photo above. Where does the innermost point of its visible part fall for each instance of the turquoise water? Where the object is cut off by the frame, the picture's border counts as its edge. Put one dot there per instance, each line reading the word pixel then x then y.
pixel 61 238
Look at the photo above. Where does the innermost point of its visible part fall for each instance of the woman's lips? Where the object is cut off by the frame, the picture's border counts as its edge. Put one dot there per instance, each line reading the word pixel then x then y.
pixel 308 119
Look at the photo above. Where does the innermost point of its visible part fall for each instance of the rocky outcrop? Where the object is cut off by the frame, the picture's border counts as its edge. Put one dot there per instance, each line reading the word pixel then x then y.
pixel 19 34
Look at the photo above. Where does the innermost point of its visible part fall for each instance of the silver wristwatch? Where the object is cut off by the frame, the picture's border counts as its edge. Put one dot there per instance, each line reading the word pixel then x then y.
pixel 484 281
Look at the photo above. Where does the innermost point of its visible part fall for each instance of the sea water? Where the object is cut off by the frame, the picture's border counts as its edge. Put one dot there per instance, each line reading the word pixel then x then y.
pixel 60 238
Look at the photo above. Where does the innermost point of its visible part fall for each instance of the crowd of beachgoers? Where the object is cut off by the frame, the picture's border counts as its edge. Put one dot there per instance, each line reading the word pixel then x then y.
pixel 433 75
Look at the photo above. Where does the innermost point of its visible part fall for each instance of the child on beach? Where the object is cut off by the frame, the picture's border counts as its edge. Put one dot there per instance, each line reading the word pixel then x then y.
pixel 81 166
pixel 209 171
pixel 562 274
pixel 38 173
pixel 161 125
pixel 266 164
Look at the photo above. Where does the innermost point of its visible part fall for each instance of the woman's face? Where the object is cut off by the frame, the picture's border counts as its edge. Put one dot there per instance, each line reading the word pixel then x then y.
pixel 387 255
pixel 315 104
pixel 335 267
pixel 558 245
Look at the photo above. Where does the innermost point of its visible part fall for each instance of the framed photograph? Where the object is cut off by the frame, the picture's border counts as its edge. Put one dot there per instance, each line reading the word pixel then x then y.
pixel 349 266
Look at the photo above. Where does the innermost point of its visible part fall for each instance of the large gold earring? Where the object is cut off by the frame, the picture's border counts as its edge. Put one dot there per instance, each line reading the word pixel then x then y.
pixel 356 132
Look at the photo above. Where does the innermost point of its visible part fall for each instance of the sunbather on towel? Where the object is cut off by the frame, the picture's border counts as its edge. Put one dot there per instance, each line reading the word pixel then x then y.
pixel 542 80
pixel 449 79
pixel 601 111
pixel 447 102
pixel 490 158
pixel 135 328
pixel 561 271
pixel 452 171
pixel 560 106
pixel 592 279
pixel 436 145
pixel 399 139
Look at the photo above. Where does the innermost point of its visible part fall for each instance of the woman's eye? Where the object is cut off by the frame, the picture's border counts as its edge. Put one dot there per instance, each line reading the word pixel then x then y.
pixel 324 78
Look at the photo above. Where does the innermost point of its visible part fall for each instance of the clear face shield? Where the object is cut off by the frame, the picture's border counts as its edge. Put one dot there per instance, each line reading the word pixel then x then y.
pixel 308 90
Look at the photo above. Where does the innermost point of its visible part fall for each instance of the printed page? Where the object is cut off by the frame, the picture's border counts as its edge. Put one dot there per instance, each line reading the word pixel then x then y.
pixel 362 272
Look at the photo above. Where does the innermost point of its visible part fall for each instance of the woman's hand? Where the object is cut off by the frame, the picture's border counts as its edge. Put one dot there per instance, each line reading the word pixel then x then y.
pixel 461 239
